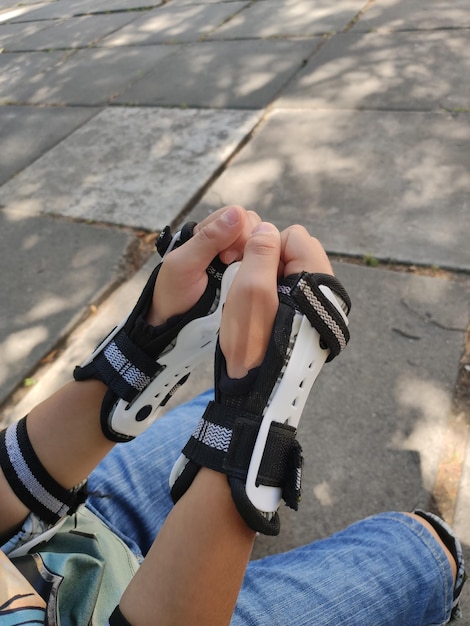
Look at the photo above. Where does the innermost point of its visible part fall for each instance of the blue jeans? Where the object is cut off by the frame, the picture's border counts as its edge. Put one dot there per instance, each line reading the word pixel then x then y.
pixel 386 569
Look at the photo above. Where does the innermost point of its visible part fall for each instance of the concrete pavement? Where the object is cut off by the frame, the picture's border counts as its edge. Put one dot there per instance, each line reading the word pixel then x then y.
pixel 117 117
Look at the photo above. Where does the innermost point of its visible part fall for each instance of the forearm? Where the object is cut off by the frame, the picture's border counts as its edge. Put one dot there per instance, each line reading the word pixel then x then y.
pixel 195 568
pixel 66 436
pixel 65 432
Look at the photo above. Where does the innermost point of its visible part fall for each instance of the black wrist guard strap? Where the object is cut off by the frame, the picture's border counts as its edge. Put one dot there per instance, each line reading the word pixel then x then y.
pixel 118 619
pixel 30 481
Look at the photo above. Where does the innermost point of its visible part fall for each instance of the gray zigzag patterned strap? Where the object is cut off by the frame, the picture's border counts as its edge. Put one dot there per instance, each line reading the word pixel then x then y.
pixel 323 313
pixel 307 296
pixel 125 368
pixel 213 435
pixel 122 366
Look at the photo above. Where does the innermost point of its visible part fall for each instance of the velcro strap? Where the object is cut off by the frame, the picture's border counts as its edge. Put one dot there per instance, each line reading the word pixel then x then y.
pixel 224 440
pixel 211 439
pixel 281 463
pixel 124 367
pixel 118 619
pixel 319 310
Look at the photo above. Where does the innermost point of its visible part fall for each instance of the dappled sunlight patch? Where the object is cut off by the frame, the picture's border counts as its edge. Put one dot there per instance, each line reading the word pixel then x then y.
pixel 430 404
pixel 18 345
pixel 323 494
pixel 50 304
pixel 126 165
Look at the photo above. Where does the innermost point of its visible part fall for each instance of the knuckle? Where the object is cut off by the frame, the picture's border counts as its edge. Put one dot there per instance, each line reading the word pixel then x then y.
pixel 207 233
pixel 297 230
pixel 263 245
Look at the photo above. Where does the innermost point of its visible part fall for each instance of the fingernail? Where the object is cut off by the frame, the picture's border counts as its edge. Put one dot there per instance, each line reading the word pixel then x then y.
pixel 264 227
pixel 231 216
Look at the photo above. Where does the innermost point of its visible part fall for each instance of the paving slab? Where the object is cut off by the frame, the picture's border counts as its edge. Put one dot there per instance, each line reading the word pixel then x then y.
pixel 228 74
pixel 391 184
pixel 75 32
pixel 404 71
pixel 7 5
pixel 183 3
pixel 20 12
pixel 70 8
pixel 61 267
pixel 26 133
pixel 13 34
pixel 103 6
pixel 174 24
pixel 394 15
pixel 21 75
pixel 289 18
pixel 133 166
pixel 80 343
pixel 92 76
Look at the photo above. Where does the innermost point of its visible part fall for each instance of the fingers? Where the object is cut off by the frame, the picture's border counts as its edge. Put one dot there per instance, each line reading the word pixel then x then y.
pixel 183 278
pixel 234 251
pixel 252 303
pixel 233 233
pixel 300 252
pixel 212 237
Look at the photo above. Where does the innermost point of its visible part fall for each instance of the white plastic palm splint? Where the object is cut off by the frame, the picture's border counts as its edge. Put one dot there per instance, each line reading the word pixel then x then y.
pixel 193 343
pixel 286 404
pixel 288 400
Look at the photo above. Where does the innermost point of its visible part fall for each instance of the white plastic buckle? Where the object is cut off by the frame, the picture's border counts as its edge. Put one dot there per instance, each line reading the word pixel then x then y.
pixel 172 243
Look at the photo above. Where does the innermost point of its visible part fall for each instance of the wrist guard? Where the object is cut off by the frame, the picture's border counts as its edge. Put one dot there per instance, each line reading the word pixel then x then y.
pixel 142 365
pixel 249 431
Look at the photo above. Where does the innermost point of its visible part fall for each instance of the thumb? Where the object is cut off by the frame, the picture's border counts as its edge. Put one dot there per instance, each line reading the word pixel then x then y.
pixel 183 278
pixel 212 237
pixel 252 303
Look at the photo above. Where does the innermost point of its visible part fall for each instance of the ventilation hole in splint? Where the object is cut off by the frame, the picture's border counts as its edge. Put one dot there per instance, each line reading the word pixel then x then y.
pixel 143 413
